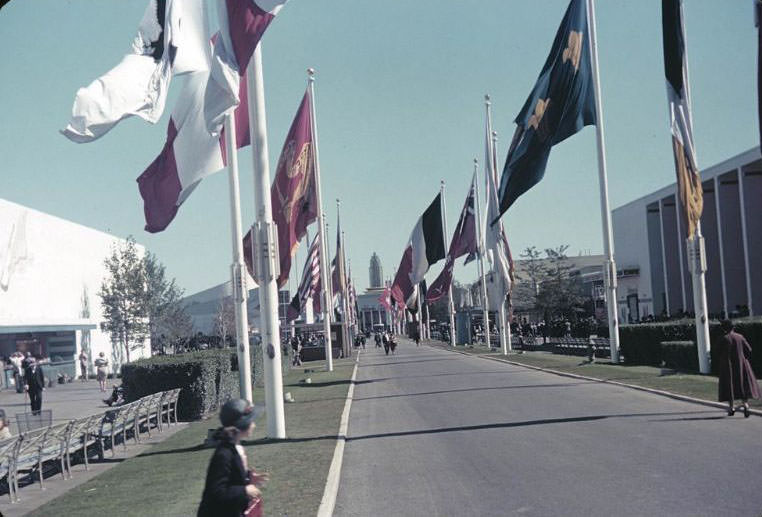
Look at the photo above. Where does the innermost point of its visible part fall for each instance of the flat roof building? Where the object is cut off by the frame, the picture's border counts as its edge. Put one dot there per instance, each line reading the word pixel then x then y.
pixel 649 240
pixel 51 271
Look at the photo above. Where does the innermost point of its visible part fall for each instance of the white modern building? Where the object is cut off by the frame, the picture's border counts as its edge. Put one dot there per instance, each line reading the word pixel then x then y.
pixel 50 273
pixel 204 307
pixel 649 239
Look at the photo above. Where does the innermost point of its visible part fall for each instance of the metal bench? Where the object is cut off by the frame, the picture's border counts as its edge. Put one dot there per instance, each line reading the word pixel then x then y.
pixel 7 453
pixel 27 457
pixel 169 404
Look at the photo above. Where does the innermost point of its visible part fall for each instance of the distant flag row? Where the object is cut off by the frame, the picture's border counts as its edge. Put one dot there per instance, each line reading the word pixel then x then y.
pixel 425 247
pixel 310 282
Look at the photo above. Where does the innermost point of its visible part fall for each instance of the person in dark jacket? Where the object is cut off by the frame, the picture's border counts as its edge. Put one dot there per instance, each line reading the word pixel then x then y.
pixel 737 380
pixel 34 383
pixel 230 486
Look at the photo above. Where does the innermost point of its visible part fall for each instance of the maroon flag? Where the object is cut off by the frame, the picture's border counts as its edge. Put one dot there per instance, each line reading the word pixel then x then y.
pixel 463 243
pixel 247 21
pixel 403 290
pixel 293 193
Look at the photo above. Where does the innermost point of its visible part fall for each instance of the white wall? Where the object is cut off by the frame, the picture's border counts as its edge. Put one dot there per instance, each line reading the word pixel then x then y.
pixel 47 266
pixel 631 250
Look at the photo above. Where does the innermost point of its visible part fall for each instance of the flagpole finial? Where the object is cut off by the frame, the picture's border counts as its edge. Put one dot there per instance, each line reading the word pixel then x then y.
pixel 311 74
pixel 487 98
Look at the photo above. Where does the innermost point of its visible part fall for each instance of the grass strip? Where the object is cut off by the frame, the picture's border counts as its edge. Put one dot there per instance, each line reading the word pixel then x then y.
pixel 168 479
pixel 692 385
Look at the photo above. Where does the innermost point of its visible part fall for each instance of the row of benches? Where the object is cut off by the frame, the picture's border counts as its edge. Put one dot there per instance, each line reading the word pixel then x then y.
pixel 581 346
pixel 29 451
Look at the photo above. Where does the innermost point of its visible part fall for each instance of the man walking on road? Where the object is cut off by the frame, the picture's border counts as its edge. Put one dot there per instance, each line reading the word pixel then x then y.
pixel 34 381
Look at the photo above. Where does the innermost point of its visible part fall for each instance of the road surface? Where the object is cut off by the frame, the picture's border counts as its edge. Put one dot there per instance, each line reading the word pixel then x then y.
pixel 432 432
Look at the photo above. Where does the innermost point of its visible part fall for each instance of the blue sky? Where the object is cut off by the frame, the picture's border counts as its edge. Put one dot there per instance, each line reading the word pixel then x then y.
pixel 399 96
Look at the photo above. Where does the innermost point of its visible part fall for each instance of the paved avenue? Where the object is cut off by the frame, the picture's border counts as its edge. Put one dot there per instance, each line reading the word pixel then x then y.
pixel 433 432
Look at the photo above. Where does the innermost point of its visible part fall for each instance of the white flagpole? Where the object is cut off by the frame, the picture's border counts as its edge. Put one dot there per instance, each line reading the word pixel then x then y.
pixel 505 332
pixel 344 293
pixel 326 304
pixel 697 253
pixel 450 305
pixel 481 257
pixel 265 251
pixel 489 176
pixel 609 267
pixel 238 275
pixel 420 311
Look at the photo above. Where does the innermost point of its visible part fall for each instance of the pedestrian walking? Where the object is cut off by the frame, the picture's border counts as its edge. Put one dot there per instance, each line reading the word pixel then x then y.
pixel 83 360
pixel 737 380
pixel 385 340
pixel 101 370
pixel 18 371
pixel 231 488
pixel 34 384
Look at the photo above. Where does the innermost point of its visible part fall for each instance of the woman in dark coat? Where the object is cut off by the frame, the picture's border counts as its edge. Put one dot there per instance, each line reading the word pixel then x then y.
pixel 737 380
pixel 231 488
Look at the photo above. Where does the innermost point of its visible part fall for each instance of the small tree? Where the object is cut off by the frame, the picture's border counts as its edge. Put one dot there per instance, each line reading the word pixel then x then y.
pixel 224 320
pixel 168 320
pixel 123 296
pixel 560 292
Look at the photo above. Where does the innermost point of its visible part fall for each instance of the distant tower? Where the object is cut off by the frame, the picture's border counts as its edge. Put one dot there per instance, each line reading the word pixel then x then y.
pixel 376 273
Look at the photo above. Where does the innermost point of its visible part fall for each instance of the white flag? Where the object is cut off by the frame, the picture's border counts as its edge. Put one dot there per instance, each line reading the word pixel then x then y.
pixel 171 39
pixel 495 243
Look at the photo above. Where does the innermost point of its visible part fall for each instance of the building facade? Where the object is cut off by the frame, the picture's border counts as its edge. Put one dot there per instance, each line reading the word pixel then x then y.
pixel 372 312
pixel 51 271
pixel 649 239
pixel 205 306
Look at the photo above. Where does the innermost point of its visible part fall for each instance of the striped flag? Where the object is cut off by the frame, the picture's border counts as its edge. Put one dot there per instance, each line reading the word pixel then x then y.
pixel 171 40
pixel 309 283
pixel 464 242
pixel 189 155
pixel 425 247
pixel 688 176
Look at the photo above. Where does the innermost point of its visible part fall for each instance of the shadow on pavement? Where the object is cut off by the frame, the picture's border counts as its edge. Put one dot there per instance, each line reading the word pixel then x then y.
pixel 503 372
pixel 395 363
pixel 488 388
pixel 507 425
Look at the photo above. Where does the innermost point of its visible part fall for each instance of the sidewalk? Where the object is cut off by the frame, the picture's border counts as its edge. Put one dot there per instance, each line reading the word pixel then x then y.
pixel 68 401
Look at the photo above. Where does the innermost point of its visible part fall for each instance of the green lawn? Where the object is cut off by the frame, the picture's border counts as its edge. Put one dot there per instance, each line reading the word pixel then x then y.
pixel 692 385
pixel 168 479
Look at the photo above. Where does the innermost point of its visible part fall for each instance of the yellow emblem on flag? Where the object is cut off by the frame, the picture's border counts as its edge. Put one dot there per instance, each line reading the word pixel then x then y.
pixel 539 111
pixel 573 49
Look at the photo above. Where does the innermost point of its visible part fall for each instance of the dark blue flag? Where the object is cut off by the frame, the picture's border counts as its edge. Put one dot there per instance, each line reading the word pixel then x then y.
pixel 561 103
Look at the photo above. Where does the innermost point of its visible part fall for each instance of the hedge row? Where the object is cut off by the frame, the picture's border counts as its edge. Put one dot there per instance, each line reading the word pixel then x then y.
pixel 206 378
pixel 642 344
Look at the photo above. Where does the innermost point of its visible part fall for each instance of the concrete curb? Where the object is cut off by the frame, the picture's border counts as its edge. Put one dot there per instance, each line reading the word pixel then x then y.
pixel 669 394
pixel 328 502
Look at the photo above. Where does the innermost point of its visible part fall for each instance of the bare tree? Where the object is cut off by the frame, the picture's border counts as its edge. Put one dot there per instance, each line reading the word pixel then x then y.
pixel 224 320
